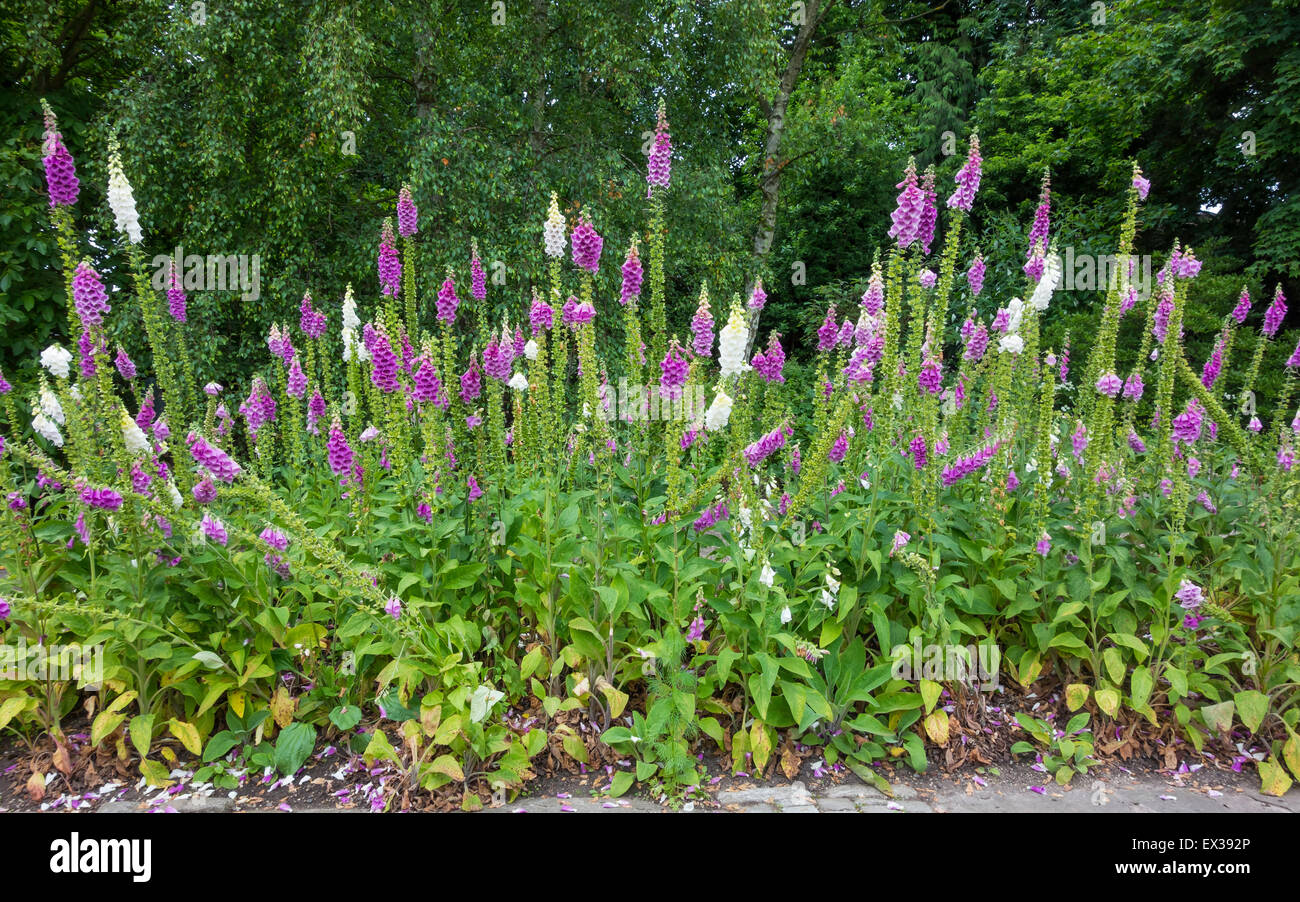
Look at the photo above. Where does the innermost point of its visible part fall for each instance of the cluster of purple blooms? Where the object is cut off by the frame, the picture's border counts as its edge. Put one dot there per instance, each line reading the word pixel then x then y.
pixel 312 322
pixel 675 369
pixel 212 459
pixel 967 464
pixel 632 277
pixel 770 363
pixel 767 445
pixel 711 516
pixel 587 245
pixel 390 267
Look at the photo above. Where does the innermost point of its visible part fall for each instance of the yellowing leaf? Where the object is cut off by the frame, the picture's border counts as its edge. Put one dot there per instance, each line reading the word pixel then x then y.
pixel 155 774
pixel 616 699
pixel 760 743
pixel 282 707
pixel 103 726
pixel 446 764
pixel 1272 778
pixel 1075 695
pixel 936 727
pixel 930 692
pixel 187 734
pixel 1108 701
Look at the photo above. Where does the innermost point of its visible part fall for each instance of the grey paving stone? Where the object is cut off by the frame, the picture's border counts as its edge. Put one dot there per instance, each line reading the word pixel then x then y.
pixel 837 805
pixel 800 809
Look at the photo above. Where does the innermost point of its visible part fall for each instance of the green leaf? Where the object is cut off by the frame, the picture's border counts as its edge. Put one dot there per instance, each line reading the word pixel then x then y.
pixel 141 730
pixel 1219 717
pixel 623 781
pixel 1140 684
pixel 293 746
pixel 1252 707
pixel 219 745
pixel 345 717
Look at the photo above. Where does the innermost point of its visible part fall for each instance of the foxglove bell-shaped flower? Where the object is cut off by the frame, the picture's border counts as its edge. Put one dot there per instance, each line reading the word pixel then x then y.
pixel 60 171
pixel 120 199
pixel 731 343
pixel 702 325
pixel 390 267
pixel 632 277
pixel 968 178
pixel 659 163
pixel 58 360
pixel 719 412
pixel 675 369
pixel 907 216
pixel 587 245
pixel 407 213
pixel 553 230
pixel 176 303
pixel 89 296
pixel 1275 313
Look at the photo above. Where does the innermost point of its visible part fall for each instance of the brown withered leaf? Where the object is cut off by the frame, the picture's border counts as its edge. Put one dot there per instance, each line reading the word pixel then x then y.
pixel 62 760
pixel 789 763
pixel 36 787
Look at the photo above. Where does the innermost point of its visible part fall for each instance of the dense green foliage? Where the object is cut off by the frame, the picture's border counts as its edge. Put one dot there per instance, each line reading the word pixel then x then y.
pixel 236 124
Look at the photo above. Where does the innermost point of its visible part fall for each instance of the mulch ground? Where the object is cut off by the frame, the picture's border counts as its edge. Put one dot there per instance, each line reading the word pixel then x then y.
pixel 46 777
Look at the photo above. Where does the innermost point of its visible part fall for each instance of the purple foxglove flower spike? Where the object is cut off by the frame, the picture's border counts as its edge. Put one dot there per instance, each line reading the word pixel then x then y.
pixel 659 163
pixel 632 276
pixel 390 267
pixel 89 296
pixel 967 179
pixel 1275 313
pixel 907 216
pixel 176 304
pixel 407 213
pixel 60 171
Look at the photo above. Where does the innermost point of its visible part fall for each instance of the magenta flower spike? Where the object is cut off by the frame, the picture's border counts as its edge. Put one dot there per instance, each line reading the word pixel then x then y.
pixel 1213 365
pixel 338 450
pixel 124 365
pixel 907 216
pixel 632 276
pixel 828 333
pixel 212 459
pixel 447 301
pixel 1243 307
pixel 390 267
pixel 176 304
pixel 60 171
pixel 312 322
pixel 702 327
pixel 540 316
pixel 659 163
pixel 407 213
pixel 88 296
pixel 1275 313
pixel 967 179
pixel 675 369
pixel 929 212
pixel 297 382
pixel 471 383
pixel 758 298
pixel 477 277
pixel 587 245
pixel 769 364
pixel 383 360
pixel 975 275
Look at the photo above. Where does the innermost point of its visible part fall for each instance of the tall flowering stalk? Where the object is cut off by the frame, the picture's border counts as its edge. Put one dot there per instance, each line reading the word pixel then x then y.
pixel 407 226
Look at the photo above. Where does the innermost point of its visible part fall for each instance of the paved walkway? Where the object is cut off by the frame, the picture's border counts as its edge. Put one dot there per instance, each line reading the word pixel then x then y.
pixel 1118 792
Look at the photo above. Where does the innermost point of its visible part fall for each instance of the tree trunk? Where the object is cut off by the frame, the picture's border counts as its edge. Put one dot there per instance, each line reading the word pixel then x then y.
pixel 773 162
